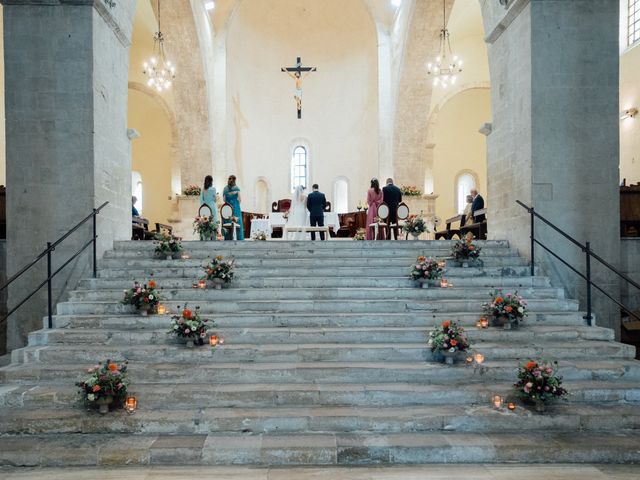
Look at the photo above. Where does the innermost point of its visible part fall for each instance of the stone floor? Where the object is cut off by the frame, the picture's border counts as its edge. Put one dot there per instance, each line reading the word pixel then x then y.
pixel 431 472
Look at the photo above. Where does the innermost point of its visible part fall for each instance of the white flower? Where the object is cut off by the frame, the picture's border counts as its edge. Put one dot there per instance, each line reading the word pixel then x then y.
pixel 150 297
pixel 520 310
pixel 91 397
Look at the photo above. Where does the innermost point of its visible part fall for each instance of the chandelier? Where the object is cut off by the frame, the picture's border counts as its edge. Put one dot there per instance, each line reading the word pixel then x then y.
pixel 447 65
pixel 159 71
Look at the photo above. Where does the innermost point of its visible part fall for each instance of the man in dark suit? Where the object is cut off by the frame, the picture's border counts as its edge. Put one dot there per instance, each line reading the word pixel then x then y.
pixel 392 196
pixel 316 203
pixel 478 204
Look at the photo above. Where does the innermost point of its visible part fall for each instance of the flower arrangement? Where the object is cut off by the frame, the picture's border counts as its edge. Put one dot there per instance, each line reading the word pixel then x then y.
pixel 206 227
pixel 220 269
pixel 410 191
pixel 538 382
pixel 143 296
pixel 426 269
pixel 448 338
pixel 106 385
pixel 189 325
pixel 192 191
pixel 260 236
pixel 167 244
pixel 361 234
pixel 464 249
pixel 511 307
pixel 415 225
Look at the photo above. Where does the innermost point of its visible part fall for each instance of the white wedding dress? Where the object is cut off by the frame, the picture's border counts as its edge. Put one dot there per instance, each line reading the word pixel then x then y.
pixel 298 215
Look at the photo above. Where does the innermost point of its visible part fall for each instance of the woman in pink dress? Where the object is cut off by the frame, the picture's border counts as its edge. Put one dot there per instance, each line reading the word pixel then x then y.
pixel 374 199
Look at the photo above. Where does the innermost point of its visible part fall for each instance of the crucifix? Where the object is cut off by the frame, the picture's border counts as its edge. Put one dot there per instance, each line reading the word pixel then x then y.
pixel 298 73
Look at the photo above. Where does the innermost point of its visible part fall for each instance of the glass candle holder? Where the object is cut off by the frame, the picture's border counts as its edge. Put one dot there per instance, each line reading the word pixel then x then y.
pixel 213 340
pixel 202 284
pixel 497 401
pixel 130 404
pixel 479 358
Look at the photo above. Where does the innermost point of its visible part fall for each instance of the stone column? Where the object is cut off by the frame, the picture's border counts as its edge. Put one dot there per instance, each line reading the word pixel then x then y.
pixel 554 141
pixel 66 83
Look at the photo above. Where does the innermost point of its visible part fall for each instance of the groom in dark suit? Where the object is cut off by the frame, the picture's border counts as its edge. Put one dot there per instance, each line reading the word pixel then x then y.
pixel 316 203
pixel 392 196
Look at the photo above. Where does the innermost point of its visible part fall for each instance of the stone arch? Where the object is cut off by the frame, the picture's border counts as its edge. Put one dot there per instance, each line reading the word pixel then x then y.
pixel 261 195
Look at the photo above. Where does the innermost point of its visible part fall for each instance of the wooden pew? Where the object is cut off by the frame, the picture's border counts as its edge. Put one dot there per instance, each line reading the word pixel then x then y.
pixel 477 228
pixel 630 211
pixel 449 232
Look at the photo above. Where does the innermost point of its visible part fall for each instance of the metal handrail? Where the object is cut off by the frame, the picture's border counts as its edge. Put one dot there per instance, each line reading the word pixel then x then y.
pixel 50 274
pixel 589 254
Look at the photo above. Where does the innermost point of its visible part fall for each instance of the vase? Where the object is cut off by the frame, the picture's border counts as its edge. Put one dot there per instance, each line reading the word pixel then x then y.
pixel 176 255
pixel 103 404
pixel 190 342
pixel 540 406
pixel 501 321
pixel 449 357
pixel 427 282
pixel 144 310
pixel 415 235
pixel 205 237
pixel 168 256
pixel 217 283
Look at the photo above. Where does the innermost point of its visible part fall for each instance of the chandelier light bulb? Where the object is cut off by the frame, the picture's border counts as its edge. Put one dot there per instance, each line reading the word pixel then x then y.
pixel 158 69
pixel 447 65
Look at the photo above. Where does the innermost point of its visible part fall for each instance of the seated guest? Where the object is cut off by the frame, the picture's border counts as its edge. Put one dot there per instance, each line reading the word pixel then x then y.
pixel 134 210
pixel 478 204
pixel 392 196
pixel 467 215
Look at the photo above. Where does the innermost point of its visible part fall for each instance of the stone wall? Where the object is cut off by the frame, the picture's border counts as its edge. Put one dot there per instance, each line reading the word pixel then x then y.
pixel 3 296
pixel 629 264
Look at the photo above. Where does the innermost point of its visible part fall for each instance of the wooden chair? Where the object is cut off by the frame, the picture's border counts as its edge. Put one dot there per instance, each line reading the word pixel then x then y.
pixel 402 215
pixel 479 227
pixel 281 205
pixel 205 211
pixel 383 214
pixel 630 211
pixel 348 222
pixel 140 229
pixel 226 214
pixel 449 232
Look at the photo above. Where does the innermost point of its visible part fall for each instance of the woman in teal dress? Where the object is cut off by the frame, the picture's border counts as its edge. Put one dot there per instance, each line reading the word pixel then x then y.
pixel 232 197
pixel 208 196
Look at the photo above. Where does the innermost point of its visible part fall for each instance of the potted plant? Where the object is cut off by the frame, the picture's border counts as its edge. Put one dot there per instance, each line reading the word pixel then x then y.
pixel 507 310
pixel 415 226
pixel 191 190
pixel 465 252
pixel 538 384
pixel 144 297
pixel 106 387
pixel 426 271
pixel 448 339
pixel 410 191
pixel 167 246
pixel 189 326
pixel 220 271
pixel 205 227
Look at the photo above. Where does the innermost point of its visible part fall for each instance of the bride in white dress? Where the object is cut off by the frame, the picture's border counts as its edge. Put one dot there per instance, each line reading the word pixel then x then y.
pixel 298 215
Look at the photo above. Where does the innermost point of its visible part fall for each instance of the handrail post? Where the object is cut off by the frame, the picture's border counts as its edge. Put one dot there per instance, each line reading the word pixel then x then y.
pixel 95 248
pixel 49 294
pixel 588 317
pixel 533 243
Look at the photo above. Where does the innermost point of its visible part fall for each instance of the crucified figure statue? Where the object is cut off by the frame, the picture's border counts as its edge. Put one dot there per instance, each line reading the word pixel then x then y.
pixel 298 73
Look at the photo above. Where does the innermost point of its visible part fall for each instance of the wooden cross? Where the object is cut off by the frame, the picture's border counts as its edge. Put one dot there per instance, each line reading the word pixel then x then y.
pixel 298 73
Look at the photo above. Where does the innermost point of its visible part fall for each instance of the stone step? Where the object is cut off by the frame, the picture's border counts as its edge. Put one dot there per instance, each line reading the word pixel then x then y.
pixel 404 281
pixel 336 294
pixel 279 335
pixel 196 367
pixel 159 272
pixel 15 397
pixel 299 320
pixel 326 307
pixel 319 449
pixel 559 416
pixel 231 353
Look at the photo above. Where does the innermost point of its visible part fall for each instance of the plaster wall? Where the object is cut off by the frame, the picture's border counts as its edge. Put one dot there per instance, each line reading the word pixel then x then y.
pixel 630 127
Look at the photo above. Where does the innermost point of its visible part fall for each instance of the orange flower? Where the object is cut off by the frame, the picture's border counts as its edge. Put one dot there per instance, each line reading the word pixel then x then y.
pixel 499 300
pixel 508 309
pixel 186 313
pixel 96 388
pixel 219 257
pixel 472 248
pixel 531 365
pixel 421 258
pixel 446 324
pixel 454 343
pixel 152 284
pixel 113 367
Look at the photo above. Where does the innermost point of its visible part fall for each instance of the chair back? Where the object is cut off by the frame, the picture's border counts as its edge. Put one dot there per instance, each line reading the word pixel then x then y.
pixel 226 211
pixel 327 208
pixel 403 211
pixel 383 211
pixel 281 205
pixel 205 211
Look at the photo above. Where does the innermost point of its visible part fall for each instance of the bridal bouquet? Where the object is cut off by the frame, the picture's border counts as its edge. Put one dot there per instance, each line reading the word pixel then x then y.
pixel 189 325
pixel 538 382
pixel 464 249
pixel 192 191
pixel 106 385
pixel 142 296
pixel 449 339
pixel 507 310
pixel 206 227
pixel 415 225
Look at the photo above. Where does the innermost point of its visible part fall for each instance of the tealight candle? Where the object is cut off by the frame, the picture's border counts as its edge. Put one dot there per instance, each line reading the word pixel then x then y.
pixel 479 358
pixel 444 283
pixel 484 323
pixel 202 284
pixel 497 401
pixel 162 309
pixel 185 256
pixel 479 324
pixel 469 360
pixel 130 404
pixel 450 285
pixel 511 406
pixel 213 340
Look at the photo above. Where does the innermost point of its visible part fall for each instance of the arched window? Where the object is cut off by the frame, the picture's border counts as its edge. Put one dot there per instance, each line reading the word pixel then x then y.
pixel 299 167
pixel 633 22
pixel 136 189
pixel 341 195
pixel 465 182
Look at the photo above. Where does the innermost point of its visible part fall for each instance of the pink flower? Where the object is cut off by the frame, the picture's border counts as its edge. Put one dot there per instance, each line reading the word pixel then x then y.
pixel 187 331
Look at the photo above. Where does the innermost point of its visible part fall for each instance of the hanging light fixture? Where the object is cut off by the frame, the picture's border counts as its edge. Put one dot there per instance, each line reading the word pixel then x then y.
pixel 447 65
pixel 159 71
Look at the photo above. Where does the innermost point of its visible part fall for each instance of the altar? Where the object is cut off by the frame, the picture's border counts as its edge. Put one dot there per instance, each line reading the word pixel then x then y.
pixel 277 220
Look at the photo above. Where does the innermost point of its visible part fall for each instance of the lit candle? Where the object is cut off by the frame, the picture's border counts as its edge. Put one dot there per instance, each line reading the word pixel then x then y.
pixel 479 324
pixel 450 285
pixel 511 406
pixel 469 360
pixel 194 285
pixel 497 401
pixel 162 309
pixel 484 323
pixel 479 358
pixel 202 284
pixel 444 283
pixel 185 256
pixel 213 340
pixel 442 264
pixel 130 404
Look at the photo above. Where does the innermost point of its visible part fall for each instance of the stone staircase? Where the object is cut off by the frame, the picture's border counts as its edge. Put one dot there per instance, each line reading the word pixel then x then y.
pixel 325 362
